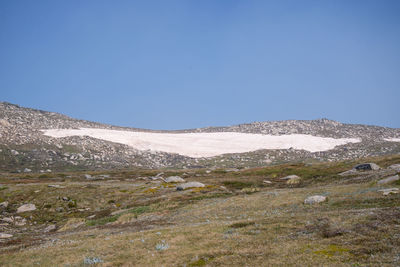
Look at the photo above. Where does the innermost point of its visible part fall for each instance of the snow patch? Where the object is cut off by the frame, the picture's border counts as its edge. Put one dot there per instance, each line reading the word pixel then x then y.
pixel 198 145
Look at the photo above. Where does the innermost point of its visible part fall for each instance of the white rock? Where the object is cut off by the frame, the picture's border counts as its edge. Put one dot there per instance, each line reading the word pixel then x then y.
pixel 389 179
pixel 27 170
pixel 174 179
pixel 388 191
pixel 267 182
pixel 3 235
pixel 315 199
pixel 26 207
pixel 189 185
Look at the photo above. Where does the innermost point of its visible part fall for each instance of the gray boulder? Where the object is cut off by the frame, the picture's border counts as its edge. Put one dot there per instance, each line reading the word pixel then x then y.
pixel 389 179
pixel 367 167
pixel 189 185
pixel 174 179
pixel 315 199
pixel 26 207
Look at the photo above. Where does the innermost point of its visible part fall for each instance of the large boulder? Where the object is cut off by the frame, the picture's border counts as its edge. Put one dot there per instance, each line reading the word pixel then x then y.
pixel 174 179
pixel 26 207
pixel 315 199
pixel 189 185
pixel 367 167
pixel 389 179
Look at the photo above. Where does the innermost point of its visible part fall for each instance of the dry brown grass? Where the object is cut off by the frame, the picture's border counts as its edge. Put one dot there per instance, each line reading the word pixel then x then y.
pixel 213 226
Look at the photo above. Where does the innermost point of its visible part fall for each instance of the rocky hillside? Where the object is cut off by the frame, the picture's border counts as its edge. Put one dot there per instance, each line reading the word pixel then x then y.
pixel 23 147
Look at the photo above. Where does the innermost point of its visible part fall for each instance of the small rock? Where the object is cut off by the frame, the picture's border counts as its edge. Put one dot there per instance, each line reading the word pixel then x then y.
pixel 189 185
pixel 389 179
pixel 88 176
pixel 55 186
pixel 3 236
pixel 367 167
pixel 50 228
pixel 389 191
pixel 7 219
pixel 292 179
pixel 174 179
pixel 289 177
pixel 267 182
pixel 65 198
pixel 26 207
pixel 20 222
pixel 315 199
pixel 4 204
pixel 349 172
pixel 27 170
pixel 60 209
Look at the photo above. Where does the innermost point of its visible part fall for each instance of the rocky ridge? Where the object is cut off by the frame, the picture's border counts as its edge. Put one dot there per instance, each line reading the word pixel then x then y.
pixel 23 147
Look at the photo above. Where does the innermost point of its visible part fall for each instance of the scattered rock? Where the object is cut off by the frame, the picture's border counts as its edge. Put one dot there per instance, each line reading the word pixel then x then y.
pixel 26 207
pixel 389 179
pixel 27 170
pixel 315 199
pixel 389 191
pixel 395 167
pixel 174 179
pixel 267 182
pixel 50 228
pixel 189 185
pixel 65 198
pixel 3 236
pixel 88 176
pixel 367 167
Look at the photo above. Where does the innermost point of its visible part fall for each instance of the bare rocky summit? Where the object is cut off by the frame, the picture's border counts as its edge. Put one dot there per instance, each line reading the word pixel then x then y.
pixel 23 146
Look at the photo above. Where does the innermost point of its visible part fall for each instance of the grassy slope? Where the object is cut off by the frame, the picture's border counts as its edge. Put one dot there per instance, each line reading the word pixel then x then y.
pixel 245 222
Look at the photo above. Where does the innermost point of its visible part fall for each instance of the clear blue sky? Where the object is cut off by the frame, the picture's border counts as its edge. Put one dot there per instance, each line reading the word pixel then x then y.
pixel 186 64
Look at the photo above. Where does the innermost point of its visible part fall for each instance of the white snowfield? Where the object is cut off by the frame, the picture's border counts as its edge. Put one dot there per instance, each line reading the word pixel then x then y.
pixel 392 139
pixel 198 145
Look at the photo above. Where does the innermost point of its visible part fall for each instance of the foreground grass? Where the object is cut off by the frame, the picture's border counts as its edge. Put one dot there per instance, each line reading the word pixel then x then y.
pixel 124 223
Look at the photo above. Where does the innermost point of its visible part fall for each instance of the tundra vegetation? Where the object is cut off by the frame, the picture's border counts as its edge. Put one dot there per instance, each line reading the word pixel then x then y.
pixel 241 217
